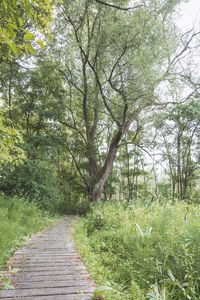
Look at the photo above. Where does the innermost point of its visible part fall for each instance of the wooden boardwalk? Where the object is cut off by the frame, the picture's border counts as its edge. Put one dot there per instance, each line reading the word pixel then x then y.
pixel 50 268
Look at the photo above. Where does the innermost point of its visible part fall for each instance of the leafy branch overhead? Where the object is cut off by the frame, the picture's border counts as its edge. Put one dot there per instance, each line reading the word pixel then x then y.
pixel 10 147
pixel 118 6
pixel 20 24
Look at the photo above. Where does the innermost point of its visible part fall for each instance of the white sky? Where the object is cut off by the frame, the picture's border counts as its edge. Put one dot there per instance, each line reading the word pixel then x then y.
pixel 189 15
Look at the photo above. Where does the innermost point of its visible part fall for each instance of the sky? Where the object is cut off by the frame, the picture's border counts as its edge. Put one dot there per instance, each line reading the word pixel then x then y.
pixel 189 15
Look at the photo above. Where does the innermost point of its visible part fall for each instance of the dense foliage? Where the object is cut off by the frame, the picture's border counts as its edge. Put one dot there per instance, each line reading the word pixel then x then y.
pixel 18 220
pixel 11 152
pixel 148 252
pixel 19 22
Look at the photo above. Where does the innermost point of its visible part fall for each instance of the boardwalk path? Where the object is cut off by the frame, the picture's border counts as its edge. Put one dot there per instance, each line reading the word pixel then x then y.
pixel 50 268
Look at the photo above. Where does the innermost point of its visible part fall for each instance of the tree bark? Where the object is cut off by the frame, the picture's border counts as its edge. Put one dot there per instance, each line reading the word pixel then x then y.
pixel 98 187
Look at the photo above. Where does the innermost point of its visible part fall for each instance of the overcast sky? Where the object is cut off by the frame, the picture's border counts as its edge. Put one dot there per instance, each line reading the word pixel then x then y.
pixel 189 15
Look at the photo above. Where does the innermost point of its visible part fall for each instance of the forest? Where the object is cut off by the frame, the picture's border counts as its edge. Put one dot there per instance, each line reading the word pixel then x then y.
pixel 100 117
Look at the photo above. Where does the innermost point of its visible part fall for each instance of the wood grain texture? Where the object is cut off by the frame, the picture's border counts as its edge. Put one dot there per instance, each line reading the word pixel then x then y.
pixel 50 268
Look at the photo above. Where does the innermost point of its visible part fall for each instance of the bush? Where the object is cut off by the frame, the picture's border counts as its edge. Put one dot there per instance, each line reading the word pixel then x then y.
pixel 35 180
pixel 38 181
pixel 18 219
pixel 151 252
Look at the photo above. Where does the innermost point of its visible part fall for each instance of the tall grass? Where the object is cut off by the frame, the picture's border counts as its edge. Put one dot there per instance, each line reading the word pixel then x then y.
pixel 143 252
pixel 18 220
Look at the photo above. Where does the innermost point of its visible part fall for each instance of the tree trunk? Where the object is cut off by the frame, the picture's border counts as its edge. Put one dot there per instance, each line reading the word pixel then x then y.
pixel 97 188
pixel 128 174
pixel 10 93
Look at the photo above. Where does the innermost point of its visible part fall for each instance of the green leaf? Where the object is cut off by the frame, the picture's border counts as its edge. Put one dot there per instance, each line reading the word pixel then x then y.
pixel 171 276
pixel 13 48
pixel 29 49
pixel 11 32
pixel 8 286
pixel 28 36
pixel 40 43
pixel 6 281
pixel 14 2
pixel 101 289
pixel 14 26
pixel 14 270
pixel 20 21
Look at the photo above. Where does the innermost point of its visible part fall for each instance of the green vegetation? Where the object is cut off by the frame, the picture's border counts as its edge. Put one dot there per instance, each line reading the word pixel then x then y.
pixel 18 220
pixel 149 252
pixel 18 21
pixel 10 151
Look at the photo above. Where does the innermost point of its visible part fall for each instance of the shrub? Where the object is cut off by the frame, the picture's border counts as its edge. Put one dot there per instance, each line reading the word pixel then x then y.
pixel 35 180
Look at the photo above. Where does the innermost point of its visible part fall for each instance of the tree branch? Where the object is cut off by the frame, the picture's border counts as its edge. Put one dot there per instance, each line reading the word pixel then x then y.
pixel 120 7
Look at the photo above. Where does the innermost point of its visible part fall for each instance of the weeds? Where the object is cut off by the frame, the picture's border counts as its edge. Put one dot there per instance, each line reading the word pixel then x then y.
pixel 18 220
pixel 143 252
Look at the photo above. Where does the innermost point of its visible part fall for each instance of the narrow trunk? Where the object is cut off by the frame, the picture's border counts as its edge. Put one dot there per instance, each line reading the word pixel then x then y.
pixel 128 174
pixel 10 94
pixel 98 187
pixel 173 188
pixel 155 178
pixel 179 166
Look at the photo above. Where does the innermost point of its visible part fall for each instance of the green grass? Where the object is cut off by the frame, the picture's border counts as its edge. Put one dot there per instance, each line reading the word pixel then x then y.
pixel 143 252
pixel 18 220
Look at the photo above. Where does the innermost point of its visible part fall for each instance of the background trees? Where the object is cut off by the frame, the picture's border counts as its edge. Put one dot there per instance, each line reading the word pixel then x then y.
pixel 180 133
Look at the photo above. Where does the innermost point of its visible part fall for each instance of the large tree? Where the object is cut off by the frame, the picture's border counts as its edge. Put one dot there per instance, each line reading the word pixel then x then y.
pixel 112 62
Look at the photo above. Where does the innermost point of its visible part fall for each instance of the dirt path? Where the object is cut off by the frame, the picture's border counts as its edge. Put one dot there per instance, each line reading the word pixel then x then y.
pixel 50 268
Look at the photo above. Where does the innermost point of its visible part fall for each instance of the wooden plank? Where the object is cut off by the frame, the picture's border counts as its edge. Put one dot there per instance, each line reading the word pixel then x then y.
pixel 45 292
pixel 47 257
pixel 43 254
pixel 30 257
pixel 45 273
pixel 47 262
pixel 41 264
pixel 87 296
pixel 45 268
pixel 51 277
pixel 53 284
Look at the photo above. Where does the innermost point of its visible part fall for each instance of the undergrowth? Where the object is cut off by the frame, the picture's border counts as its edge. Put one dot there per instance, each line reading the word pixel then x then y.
pixel 18 220
pixel 143 252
